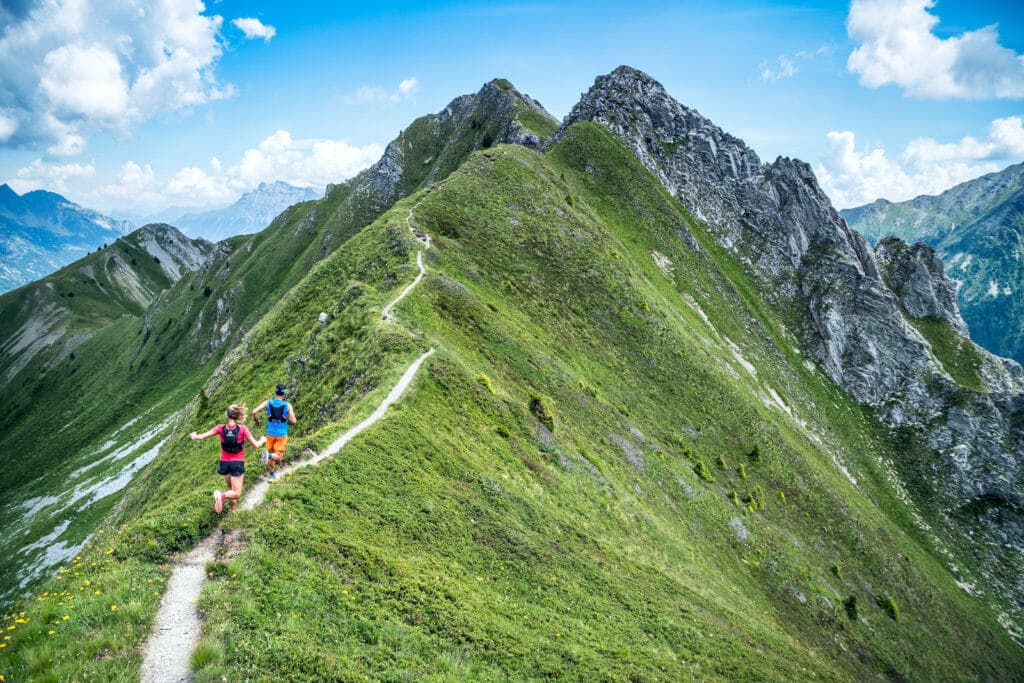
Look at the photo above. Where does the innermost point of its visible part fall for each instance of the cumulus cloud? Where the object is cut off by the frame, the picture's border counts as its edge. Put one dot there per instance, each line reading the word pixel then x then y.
pixel 53 177
pixel 301 162
pixel 71 67
pixel 254 28
pixel 896 46
pixel 376 94
pixel 852 176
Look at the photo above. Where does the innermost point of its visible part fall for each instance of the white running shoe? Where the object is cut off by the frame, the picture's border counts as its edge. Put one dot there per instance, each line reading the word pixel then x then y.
pixel 218 501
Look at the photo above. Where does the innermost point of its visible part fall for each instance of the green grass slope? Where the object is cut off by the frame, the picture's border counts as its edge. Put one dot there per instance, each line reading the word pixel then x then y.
pixel 138 345
pixel 570 488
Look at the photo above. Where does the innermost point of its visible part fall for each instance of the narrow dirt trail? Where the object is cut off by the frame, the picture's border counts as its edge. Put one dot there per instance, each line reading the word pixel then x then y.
pixel 178 627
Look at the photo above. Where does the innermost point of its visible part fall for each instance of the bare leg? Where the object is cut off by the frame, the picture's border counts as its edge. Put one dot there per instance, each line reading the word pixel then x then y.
pixel 236 490
pixel 272 463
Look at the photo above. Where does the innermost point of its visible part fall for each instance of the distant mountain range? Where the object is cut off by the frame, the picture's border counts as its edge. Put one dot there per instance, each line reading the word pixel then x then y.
pixel 41 232
pixel 252 212
pixel 977 228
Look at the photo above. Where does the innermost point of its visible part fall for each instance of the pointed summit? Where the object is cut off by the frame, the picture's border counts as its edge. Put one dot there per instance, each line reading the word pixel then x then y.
pixel 436 144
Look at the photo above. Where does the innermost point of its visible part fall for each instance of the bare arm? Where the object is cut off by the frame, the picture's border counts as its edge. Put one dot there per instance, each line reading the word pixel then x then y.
pixel 254 442
pixel 261 406
pixel 291 414
pixel 204 435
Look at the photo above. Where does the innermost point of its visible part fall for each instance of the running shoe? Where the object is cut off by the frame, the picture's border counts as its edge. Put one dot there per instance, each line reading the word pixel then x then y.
pixel 273 475
pixel 264 456
pixel 218 501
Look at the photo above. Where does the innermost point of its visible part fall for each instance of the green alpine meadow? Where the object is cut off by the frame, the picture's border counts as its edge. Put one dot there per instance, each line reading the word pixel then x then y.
pixel 599 399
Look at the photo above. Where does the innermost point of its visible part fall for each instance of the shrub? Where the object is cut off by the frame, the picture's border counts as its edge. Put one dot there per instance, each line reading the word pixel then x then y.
pixel 503 431
pixel 836 571
pixel 850 605
pixel 721 463
pixel 207 291
pixel 540 409
pixel 702 471
pixel 755 455
pixel 782 496
pixel 207 652
pixel 569 200
pixel 742 471
pixel 484 380
pixel 216 569
pixel 735 498
pixel 889 606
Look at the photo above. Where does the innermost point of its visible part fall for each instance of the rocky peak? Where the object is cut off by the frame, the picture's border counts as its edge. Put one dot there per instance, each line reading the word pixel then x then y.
pixel 857 320
pixel 176 253
pixel 435 144
pixel 915 274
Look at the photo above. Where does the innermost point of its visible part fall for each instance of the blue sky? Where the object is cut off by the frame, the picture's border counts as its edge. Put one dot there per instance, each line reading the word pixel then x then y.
pixel 133 112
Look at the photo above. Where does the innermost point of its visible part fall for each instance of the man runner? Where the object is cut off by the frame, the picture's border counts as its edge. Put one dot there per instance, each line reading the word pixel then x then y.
pixel 279 415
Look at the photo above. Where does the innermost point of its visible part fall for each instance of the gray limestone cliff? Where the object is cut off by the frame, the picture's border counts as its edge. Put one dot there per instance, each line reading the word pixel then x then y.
pixel 915 274
pixel 864 318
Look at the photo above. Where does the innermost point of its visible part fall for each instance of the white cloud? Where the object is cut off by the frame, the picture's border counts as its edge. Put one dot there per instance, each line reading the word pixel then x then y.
pixel 8 124
pixel 53 177
pixel 852 177
pixel 786 66
pixel 85 81
pixel 71 67
pixel 301 162
pixel 786 69
pixel 254 28
pixel 376 94
pixel 896 46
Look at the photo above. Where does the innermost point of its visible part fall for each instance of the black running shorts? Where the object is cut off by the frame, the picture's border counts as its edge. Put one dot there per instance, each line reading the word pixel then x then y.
pixel 235 468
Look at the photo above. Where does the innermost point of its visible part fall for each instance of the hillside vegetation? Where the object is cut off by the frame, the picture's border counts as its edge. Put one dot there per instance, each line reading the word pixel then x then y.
pixel 617 466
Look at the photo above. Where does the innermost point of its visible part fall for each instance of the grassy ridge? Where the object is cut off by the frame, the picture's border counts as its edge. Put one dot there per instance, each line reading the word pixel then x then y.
pixel 568 489
pixel 460 539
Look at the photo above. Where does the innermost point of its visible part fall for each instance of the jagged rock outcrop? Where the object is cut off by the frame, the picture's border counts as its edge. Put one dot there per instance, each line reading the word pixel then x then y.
pixel 976 229
pixel 915 274
pixel 845 304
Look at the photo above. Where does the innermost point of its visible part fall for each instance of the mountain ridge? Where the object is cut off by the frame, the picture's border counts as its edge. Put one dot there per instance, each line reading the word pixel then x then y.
pixel 628 457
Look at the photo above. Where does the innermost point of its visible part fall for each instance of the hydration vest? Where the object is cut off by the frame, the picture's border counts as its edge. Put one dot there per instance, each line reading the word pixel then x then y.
pixel 231 439
pixel 277 413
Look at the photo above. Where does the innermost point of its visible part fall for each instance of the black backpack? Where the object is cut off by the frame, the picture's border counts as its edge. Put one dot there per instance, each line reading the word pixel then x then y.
pixel 231 439
pixel 276 413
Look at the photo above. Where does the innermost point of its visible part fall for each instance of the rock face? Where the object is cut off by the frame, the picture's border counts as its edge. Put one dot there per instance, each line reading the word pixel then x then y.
pixel 976 229
pixel 855 313
pixel 916 275
pixel 176 253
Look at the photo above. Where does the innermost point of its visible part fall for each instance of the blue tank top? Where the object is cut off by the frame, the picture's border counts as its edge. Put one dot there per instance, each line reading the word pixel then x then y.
pixel 275 428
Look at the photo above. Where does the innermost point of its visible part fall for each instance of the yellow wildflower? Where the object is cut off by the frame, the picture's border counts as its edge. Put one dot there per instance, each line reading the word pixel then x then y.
pixel 113 608
pixel 50 632
pixel 66 617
